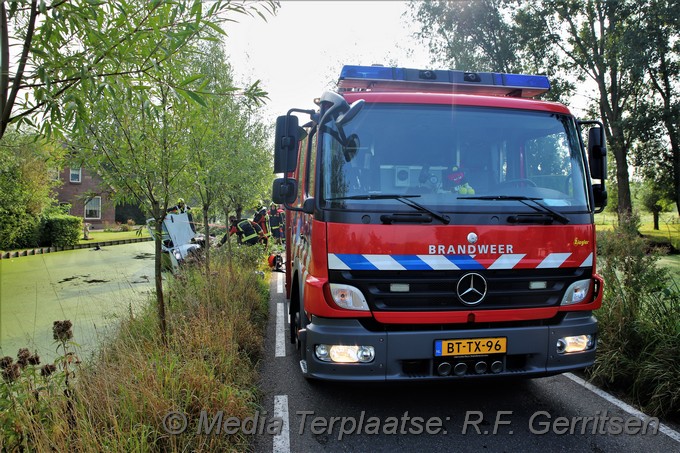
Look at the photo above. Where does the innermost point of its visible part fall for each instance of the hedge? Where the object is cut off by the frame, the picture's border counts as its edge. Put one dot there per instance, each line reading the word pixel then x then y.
pixel 61 230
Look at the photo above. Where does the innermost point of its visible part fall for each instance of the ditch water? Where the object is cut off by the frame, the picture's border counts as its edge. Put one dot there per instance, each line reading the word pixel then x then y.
pixel 92 288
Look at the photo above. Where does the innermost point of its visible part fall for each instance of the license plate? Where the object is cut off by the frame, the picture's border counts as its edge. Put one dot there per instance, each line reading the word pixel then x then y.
pixel 470 346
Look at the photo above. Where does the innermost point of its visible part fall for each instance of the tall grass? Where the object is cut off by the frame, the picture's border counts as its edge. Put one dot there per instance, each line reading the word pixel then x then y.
pixel 118 401
pixel 639 323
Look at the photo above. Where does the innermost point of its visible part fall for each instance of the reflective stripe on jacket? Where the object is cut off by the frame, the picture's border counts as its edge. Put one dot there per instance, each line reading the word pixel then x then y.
pixel 247 230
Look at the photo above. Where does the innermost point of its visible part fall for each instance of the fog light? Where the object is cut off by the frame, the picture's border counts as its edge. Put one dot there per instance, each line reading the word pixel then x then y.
pixel 577 343
pixel 344 354
pixel 321 351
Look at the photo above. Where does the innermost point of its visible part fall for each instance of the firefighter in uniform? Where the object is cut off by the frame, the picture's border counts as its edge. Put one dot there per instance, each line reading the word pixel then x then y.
pixel 248 232
pixel 276 223
pixel 262 219
pixel 182 208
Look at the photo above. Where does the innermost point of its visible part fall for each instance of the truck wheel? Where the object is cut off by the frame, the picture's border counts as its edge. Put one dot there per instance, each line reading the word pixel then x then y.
pixel 295 327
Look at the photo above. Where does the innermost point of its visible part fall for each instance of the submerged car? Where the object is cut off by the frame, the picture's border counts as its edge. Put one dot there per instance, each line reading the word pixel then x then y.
pixel 179 240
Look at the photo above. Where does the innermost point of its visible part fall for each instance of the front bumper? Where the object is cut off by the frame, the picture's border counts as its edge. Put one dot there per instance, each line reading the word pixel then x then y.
pixel 409 355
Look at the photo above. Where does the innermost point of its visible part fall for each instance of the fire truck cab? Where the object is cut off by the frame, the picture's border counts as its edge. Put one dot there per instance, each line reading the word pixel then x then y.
pixel 439 225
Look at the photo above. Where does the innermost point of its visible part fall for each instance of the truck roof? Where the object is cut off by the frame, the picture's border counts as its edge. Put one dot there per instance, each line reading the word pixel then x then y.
pixel 474 100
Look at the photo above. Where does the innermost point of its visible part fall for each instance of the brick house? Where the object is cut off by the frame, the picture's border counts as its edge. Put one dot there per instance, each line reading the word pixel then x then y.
pixel 82 189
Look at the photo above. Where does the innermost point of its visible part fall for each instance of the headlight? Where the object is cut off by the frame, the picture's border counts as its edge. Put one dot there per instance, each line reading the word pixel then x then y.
pixel 348 297
pixel 577 343
pixel 576 292
pixel 339 353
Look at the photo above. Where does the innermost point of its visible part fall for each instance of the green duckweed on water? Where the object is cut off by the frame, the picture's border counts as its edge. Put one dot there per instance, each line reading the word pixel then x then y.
pixel 92 288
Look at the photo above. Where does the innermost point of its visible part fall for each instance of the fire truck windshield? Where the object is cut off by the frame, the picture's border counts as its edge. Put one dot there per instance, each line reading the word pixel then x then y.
pixel 455 158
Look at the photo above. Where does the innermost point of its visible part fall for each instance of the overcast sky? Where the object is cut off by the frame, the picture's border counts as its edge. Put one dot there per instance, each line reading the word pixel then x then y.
pixel 299 53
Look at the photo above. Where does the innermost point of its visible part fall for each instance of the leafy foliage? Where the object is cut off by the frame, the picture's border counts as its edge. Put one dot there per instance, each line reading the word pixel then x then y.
pixel 624 49
pixel 25 188
pixel 60 230
pixel 68 49
pixel 639 322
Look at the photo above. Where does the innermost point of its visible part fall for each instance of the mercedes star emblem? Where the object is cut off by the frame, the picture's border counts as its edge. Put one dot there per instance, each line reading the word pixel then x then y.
pixel 471 288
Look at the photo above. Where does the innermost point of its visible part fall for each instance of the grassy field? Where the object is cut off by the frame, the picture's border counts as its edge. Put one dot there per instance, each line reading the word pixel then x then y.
pixel 103 236
pixel 668 233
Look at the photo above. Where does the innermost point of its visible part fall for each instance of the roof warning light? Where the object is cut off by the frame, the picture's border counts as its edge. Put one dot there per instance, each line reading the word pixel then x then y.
pixel 381 78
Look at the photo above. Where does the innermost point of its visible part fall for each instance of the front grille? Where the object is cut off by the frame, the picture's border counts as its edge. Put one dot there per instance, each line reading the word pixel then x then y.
pixel 436 290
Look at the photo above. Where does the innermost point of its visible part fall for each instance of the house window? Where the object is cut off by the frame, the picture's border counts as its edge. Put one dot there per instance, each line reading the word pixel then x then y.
pixel 76 173
pixel 93 208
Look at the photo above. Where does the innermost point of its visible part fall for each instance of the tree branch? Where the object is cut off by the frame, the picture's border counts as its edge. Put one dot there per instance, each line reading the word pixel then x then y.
pixel 7 110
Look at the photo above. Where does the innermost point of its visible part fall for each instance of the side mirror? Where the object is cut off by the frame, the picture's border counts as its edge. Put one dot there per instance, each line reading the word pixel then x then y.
pixel 347 116
pixel 597 160
pixel 286 143
pixel 597 153
pixel 284 191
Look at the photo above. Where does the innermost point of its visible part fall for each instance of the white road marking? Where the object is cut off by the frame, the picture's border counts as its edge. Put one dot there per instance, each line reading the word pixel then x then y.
pixel 626 407
pixel 279 283
pixel 282 440
pixel 280 349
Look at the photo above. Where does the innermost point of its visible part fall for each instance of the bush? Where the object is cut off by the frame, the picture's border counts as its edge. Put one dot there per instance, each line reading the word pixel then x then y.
pixel 639 322
pixel 61 230
pixel 18 230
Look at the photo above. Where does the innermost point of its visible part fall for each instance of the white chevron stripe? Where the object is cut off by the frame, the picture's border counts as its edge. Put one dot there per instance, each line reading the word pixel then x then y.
pixel 384 262
pixel 438 262
pixel 553 261
pixel 336 263
pixel 588 261
pixel 507 261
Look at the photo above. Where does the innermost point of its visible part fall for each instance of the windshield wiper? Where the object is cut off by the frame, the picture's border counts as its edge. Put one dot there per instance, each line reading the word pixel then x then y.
pixel 535 205
pixel 406 199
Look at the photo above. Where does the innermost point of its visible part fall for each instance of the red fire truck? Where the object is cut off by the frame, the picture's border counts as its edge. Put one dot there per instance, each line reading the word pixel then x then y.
pixel 440 226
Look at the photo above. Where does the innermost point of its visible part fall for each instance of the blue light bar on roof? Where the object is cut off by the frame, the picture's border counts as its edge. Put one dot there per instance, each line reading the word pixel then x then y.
pixel 381 78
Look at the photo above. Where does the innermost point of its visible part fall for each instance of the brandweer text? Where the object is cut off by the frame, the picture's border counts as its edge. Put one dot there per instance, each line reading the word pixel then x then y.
pixel 469 249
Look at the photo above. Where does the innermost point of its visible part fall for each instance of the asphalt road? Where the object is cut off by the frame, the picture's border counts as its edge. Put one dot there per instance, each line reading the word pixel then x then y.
pixel 552 414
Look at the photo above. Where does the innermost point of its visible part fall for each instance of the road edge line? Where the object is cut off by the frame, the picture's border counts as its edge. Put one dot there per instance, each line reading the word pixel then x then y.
pixel 667 430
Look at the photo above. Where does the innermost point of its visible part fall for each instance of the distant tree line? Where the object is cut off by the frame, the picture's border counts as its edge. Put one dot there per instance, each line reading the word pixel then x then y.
pixel 628 50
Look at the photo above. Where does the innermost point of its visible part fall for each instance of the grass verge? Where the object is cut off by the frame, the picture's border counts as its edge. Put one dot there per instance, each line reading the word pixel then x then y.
pixel 104 236
pixel 120 400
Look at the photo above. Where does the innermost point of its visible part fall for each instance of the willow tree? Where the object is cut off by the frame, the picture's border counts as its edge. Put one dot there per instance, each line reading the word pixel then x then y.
pixel 137 144
pixel 213 131
pixel 53 53
pixel 133 129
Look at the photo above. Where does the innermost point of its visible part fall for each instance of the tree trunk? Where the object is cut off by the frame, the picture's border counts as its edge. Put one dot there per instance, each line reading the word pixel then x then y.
pixel 656 220
pixel 675 148
pixel 618 147
pixel 159 277
pixel 206 232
